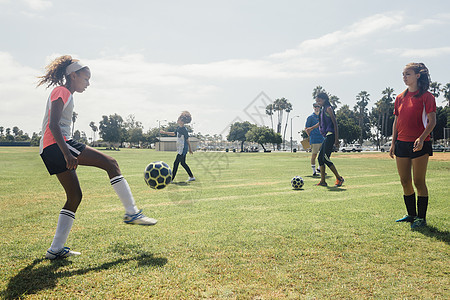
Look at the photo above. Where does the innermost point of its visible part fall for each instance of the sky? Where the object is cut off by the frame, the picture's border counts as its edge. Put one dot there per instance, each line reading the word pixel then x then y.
pixel 223 61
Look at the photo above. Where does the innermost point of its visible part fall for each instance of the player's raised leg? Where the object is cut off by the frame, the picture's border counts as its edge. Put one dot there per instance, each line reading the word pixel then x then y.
pixel 95 158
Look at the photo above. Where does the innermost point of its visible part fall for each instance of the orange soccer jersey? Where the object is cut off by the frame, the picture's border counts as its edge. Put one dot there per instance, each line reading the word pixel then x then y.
pixel 63 93
pixel 411 115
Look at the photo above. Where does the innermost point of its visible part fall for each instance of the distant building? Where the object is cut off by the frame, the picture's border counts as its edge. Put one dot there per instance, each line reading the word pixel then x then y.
pixel 170 143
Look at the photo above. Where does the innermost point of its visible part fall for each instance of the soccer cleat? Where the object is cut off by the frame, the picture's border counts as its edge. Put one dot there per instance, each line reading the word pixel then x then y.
pixel 191 179
pixel 139 219
pixel 339 182
pixel 315 174
pixel 406 218
pixel 418 223
pixel 63 253
pixel 321 184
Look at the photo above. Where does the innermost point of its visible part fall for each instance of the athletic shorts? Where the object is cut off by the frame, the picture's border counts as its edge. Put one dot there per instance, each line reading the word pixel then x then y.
pixel 315 148
pixel 405 149
pixel 54 159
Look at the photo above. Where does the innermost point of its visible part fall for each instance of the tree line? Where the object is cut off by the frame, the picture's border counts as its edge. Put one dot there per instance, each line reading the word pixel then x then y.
pixel 361 124
pixel 112 130
pixel 355 124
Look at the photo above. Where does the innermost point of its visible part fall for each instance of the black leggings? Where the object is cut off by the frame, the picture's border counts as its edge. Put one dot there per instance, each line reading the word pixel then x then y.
pixel 325 151
pixel 181 158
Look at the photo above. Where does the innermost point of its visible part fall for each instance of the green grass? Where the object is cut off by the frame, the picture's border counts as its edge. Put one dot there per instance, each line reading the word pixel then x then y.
pixel 239 232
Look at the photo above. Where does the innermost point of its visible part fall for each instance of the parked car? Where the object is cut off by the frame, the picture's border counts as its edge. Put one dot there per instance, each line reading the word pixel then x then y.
pixel 386 147
pixel 352 148
pixel 438 148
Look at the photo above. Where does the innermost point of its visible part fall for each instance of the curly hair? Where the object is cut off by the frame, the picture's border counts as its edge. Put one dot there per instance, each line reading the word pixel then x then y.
pixel 185 117
pixel 423 82
pixel 56 71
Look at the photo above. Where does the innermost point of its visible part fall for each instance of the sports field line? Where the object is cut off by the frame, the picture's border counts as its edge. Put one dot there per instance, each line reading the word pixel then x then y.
pixel 298 193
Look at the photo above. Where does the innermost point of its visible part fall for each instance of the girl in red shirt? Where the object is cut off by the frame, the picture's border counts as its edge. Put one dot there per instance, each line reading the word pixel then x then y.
pixel 415 118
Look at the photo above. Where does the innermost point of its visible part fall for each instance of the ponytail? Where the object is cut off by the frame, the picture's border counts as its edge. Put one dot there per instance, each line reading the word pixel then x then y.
pixel 56 71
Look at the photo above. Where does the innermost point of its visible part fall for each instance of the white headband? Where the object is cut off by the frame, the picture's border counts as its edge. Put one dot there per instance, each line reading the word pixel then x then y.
pixel 73 67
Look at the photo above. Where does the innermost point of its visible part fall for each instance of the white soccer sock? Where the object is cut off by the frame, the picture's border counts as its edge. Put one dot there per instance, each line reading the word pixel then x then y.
pixel 65 221
pixel 313 168
pixel 123 190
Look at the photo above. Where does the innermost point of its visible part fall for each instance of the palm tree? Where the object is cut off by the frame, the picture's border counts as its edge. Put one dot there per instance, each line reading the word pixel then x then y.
pixel 446 91
pixel 74 118
pixel 362 99
pixel 94 129
pixel 318 89
pixel 269 111
pixel 288 109
pixel 435 88
pixel 334 101
pixel 386 103
pixel 280 106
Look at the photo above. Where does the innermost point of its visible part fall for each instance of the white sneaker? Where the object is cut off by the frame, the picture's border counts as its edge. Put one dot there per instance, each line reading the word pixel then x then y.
pixel 191 179
pixel 63 253
pixel 139 218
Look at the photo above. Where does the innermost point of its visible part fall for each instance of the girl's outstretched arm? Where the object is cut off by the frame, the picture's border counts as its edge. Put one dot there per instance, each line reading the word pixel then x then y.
pixel 167 132
pixel 309 129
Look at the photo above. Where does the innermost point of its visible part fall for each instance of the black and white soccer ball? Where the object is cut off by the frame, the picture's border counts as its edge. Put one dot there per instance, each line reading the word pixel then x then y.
pixel 158 175
pixel 297 182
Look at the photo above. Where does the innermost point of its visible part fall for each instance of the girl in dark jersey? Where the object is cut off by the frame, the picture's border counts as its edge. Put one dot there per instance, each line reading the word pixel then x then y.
pixel 329 129
pixel 183 145
pixel 415 118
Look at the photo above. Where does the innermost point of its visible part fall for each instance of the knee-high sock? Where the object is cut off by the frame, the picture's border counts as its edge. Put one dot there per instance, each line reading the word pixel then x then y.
pixel 422 205
pixel 410 202
pixel 65 222
pixel 122 189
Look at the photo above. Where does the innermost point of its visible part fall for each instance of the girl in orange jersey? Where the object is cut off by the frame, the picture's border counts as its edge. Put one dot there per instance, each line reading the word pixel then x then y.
pixel 415 118
pixel 61 155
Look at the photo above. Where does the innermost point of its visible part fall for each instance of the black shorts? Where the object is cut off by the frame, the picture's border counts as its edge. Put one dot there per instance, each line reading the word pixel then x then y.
pixel 405 149
pixel 54 159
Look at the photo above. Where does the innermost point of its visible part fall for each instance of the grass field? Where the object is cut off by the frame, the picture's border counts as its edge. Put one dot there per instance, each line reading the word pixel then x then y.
pixel 238 232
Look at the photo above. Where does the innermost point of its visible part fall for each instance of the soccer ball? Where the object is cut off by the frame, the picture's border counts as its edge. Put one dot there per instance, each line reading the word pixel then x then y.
pixel 297 182
pixel 158 175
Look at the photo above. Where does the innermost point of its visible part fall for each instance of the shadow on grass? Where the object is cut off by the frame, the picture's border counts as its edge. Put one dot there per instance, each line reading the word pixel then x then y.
pixel 180 183
pixel 330 187
pixel 336 189
pixel 434 232
pixel 34 278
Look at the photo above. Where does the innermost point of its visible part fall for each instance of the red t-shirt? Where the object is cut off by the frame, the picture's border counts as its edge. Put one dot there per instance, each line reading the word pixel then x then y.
pixel 411 115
